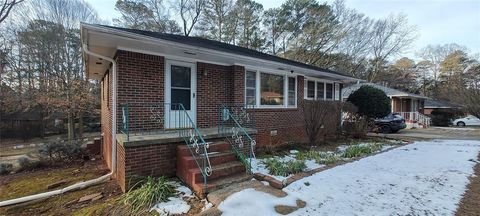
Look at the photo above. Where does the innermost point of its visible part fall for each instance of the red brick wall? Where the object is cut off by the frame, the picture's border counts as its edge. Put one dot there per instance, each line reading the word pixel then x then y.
pixel 106 119
pixel 149 160
pixel 214 87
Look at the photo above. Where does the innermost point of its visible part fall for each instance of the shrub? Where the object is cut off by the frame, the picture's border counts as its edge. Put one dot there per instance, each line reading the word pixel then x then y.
pixel 151 191
pixel 63 151
pixel 27 164
pixel 444 117
pixel 319 157
pixel 355 126
pixel 278 168
pixel 5 168
pixel 322 119
pixel 370 101
pixel 360 150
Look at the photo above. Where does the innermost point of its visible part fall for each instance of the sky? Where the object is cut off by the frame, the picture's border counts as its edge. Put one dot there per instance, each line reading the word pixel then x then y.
pixel 437 21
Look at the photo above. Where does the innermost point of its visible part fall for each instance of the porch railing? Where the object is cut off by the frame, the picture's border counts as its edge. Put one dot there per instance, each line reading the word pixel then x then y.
pixel 162 118
pixel 416 116
pixel 234 121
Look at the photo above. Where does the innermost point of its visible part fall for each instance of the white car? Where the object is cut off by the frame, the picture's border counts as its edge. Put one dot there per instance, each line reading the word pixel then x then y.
pixel 469 120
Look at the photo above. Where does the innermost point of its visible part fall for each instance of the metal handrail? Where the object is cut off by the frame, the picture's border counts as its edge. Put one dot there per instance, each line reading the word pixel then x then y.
pixel 154 118
pixel 238 132
pixel 192 137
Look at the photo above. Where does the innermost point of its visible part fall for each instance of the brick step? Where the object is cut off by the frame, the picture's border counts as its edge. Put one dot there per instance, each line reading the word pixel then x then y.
pixel 188 162
pixel 192 176
pixel 219 146
pixel 217 184
pixel 219 171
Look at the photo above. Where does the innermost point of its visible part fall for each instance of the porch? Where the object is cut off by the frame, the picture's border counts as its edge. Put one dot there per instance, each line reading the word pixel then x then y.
pixel 409 108
pixel 157 139
pixel 173 136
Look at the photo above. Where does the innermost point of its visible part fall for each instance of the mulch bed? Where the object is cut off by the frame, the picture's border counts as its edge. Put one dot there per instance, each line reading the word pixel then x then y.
pixel 470 203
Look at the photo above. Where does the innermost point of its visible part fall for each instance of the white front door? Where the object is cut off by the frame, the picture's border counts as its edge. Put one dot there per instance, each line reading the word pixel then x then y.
pixel 180 88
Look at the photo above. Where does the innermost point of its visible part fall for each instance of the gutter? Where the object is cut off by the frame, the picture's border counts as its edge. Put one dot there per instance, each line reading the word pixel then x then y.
pixel 81 185
pixel 154 40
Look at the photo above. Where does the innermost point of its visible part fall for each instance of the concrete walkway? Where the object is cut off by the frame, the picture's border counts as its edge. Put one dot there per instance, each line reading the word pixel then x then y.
pixel 454 133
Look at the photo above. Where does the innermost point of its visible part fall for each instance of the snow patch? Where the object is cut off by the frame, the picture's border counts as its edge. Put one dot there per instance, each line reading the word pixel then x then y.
pixel 175 205
pixel 252 202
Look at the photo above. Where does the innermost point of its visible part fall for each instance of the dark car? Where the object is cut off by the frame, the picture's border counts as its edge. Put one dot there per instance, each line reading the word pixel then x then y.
pixel 391 123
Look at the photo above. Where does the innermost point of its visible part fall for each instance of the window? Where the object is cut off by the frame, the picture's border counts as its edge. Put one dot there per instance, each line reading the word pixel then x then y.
pixel 329 91
pixel 337 91
pixel 250 90
pixel 291 91
pixel 320 91
pixel 311 89
pixel 271 89
pixel 180 86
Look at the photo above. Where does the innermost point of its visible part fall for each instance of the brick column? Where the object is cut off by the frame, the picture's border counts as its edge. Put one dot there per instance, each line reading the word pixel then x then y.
pixel 238 84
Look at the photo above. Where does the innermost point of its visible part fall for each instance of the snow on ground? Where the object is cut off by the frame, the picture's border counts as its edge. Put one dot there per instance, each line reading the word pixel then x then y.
pixel 424 178
pixel 177 204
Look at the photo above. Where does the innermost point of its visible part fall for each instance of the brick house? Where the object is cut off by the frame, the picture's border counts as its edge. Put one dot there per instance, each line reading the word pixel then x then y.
pixel 406 104
pixel 193 107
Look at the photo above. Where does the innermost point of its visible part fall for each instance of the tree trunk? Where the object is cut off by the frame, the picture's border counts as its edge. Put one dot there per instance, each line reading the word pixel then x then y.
pixel 80 124
pixel 71 127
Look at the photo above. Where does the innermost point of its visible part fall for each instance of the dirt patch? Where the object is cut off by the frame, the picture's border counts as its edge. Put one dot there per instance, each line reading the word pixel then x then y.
pixel 284 210
pixel 28 183
pixel 470 203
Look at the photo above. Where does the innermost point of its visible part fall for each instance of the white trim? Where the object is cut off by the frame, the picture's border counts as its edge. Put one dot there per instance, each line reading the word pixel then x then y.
pixel 171 57
pixel 153 40
pixel 167 90
pixel 258 89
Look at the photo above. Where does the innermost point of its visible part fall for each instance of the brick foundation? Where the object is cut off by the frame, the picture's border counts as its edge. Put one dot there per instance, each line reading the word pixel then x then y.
pixel 149 160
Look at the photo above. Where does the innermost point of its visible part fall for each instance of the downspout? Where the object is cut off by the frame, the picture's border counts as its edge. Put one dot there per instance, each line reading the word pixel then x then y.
pixel 114 104
pixel 81 185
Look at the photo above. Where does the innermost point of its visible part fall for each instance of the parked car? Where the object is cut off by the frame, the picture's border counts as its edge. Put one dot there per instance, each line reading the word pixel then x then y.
pixel 391 123
pixel 467 121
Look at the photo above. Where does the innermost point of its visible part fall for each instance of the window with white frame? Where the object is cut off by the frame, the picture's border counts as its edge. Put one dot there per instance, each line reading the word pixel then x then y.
pixel 292 91
pixel 250 89
pixel 329 91
pixel 264 89
pixel 310 89
pixel 321 90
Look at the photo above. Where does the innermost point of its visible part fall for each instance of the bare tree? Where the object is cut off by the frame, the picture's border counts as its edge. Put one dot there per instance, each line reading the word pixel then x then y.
pixel 190 13
pixel 390 37
pixel 321 118
pixel 7 7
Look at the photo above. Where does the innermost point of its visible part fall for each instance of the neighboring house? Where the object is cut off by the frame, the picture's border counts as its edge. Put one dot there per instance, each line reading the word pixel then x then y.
pixel 406 104
pixel 432 105
pixel 219 99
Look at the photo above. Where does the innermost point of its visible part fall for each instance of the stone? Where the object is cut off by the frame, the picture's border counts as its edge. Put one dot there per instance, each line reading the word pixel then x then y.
pixel 56 184
pixel 89 197
pixel 259 176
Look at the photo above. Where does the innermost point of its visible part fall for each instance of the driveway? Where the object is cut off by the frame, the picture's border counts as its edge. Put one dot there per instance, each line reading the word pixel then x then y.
pixel 458 133
pixel 423 178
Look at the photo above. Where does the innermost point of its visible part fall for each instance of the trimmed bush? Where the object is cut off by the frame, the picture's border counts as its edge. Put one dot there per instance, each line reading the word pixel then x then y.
pixel 370 102
pixel 152 191
pixel 278 168
pixel 5 168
